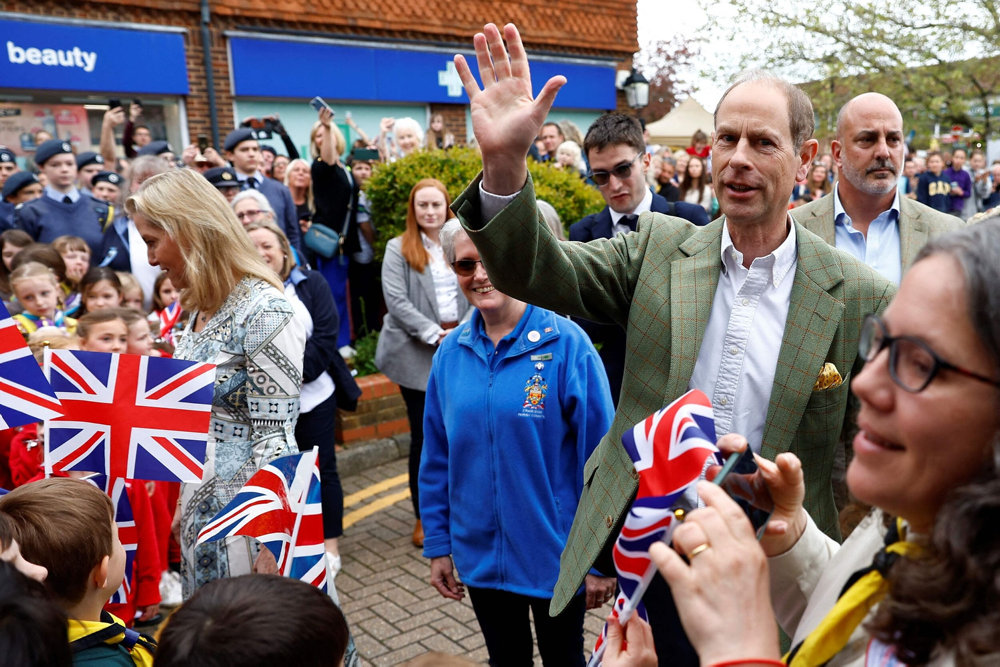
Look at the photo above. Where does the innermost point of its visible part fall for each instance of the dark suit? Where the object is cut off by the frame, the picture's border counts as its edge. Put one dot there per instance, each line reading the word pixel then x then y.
pixel 611 337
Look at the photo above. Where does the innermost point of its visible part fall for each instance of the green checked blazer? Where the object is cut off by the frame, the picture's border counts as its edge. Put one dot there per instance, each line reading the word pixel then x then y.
pixel 917 224
pixel 658 284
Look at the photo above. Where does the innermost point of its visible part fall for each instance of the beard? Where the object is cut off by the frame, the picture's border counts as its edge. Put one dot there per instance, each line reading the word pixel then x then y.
pixel 873 186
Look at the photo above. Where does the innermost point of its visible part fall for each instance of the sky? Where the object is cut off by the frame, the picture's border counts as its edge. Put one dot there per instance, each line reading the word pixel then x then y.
pixel 661 19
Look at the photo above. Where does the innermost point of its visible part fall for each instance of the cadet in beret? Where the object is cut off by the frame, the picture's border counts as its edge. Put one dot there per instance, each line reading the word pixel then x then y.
pixel 107 186
pixel 21 187
pixel 160 148
pixel 243 152
pixel 225 181
pixel 8 164
pixel 87 164
pixel 62 208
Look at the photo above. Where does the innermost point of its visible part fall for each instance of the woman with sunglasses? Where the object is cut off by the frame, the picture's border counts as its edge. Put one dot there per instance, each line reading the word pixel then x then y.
pixel 517 400
pixel 423 305
pixel 916 582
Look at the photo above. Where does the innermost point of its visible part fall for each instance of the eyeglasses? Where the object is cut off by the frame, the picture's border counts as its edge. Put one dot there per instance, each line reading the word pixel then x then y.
pixel 912 363
pixel 465 267
pixel 621 171
pixel 248 215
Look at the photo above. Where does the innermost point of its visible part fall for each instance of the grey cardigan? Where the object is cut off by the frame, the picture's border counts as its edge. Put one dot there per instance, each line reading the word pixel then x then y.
pixel 411 303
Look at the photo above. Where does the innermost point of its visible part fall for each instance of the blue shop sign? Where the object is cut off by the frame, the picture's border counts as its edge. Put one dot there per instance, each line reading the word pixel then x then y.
pixel 55 56
pixel 303 69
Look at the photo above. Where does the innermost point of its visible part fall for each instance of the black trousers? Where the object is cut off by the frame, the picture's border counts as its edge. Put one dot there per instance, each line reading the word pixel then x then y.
pixel 414 400
pixel 315 429
pixel 503 618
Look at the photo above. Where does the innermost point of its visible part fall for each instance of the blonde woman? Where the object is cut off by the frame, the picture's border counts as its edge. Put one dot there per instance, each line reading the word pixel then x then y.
pixel 242 322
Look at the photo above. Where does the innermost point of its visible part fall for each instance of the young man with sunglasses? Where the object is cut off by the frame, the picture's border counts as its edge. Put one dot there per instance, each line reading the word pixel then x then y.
pixel 752 309
pixel 616 151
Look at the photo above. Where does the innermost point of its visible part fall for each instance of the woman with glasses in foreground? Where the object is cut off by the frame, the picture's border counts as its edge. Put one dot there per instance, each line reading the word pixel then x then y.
pixel 516 402
pixel 926 457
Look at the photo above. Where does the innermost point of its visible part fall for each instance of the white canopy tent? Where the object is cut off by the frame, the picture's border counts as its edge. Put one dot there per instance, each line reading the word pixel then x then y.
pixel 676 128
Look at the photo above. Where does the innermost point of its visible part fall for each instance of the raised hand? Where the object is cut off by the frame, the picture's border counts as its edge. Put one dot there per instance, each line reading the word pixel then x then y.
pixel 505 117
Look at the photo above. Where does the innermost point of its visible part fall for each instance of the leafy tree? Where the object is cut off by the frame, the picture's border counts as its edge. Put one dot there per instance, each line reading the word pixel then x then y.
pixel 935 60
pixel 389 187
pixel 663 63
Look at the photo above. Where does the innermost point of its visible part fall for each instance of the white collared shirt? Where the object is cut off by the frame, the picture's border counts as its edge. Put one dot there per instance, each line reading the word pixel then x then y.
pixel 645 205
pixel 445 281
pixel 739 353
pixel 880 248
pixel 73 194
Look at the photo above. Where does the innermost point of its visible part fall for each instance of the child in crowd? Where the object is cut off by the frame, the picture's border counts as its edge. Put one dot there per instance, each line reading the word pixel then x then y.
pixel 140 340
pixel 232 622
pixel 100 289
pixel 132 295
pixel 32 627
pixel 103 331
pixel 167 308
pixel 67 526
pixel 36 288
pixel 12 241
pixel 75 254
pixel 933 189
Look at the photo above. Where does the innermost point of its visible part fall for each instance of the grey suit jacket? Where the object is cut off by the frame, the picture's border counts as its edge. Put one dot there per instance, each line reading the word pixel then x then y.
pixel 917 224
pixel 411 302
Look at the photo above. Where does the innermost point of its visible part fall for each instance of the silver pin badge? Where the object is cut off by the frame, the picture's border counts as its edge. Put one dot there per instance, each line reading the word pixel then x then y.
pixel 534 336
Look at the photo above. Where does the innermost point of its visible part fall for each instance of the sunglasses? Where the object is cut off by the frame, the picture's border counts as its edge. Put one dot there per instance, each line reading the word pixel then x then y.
pixel 248 215
pixel 621 172
pixel 465 267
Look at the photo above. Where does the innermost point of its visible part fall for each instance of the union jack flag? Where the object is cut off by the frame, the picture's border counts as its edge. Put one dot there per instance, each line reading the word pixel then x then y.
pixel 128 534
pixel 25 395
pixel 672 449
pixel 130 416
pixel 280 506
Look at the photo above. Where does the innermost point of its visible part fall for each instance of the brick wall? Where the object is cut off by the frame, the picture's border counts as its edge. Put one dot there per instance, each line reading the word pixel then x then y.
pixel 557 26
pixel 381 412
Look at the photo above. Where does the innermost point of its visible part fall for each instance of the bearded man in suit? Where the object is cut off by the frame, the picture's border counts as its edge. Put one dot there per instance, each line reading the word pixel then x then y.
pixel 750 309
pixel 865 214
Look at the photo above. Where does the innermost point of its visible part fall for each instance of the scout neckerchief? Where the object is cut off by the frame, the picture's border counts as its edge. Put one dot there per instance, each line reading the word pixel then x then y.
pixel 863 590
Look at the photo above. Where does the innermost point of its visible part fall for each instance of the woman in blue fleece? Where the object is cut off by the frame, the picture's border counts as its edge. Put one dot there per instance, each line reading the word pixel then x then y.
pixel 516 401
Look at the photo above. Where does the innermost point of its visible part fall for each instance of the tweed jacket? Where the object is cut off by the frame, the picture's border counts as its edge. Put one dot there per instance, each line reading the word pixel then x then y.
pixel 917 224
pixel 659 284
pixel 412 308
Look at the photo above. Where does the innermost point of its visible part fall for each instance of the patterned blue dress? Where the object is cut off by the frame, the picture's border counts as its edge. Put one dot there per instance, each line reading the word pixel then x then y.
pixel 257 346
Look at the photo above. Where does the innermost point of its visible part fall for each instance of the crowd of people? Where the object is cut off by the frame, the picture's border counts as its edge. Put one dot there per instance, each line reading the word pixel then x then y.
pixel 740 265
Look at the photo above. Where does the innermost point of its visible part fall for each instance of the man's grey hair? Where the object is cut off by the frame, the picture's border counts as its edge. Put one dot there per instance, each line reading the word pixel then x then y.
pixel 800 110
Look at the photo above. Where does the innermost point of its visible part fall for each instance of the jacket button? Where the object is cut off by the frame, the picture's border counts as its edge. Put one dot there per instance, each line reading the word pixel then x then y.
pixel 609 521
pixel 635 474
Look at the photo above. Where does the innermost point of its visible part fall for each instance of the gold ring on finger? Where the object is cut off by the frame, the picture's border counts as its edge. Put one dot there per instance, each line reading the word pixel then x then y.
pixel 697 550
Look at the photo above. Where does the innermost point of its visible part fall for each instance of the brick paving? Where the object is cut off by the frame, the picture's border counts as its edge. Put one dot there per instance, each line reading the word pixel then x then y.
pixel 394 613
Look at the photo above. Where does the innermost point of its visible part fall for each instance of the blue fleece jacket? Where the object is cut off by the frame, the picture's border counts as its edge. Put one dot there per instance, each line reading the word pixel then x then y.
pixel 506 434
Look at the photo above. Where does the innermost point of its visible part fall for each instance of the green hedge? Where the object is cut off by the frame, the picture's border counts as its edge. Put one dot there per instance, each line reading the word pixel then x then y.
pixel 389 187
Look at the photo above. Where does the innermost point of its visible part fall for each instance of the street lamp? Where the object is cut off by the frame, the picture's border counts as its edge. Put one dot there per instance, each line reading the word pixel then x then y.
pixel 636 90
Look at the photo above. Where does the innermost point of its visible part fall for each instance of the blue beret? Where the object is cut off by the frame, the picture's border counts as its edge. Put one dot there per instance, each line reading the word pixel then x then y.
pixel 88 157
pixel 222 177
pixel 236 137
pixel 50 149
pixel 155 148
pixel 16 182
pixel 107 177
pixel 6 155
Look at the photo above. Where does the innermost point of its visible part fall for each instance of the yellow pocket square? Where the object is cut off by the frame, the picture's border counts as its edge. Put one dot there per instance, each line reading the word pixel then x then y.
pixel 828 378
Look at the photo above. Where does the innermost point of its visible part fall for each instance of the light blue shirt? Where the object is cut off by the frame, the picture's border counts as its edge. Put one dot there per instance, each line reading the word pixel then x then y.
pixel 52 193
pixel 881 249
